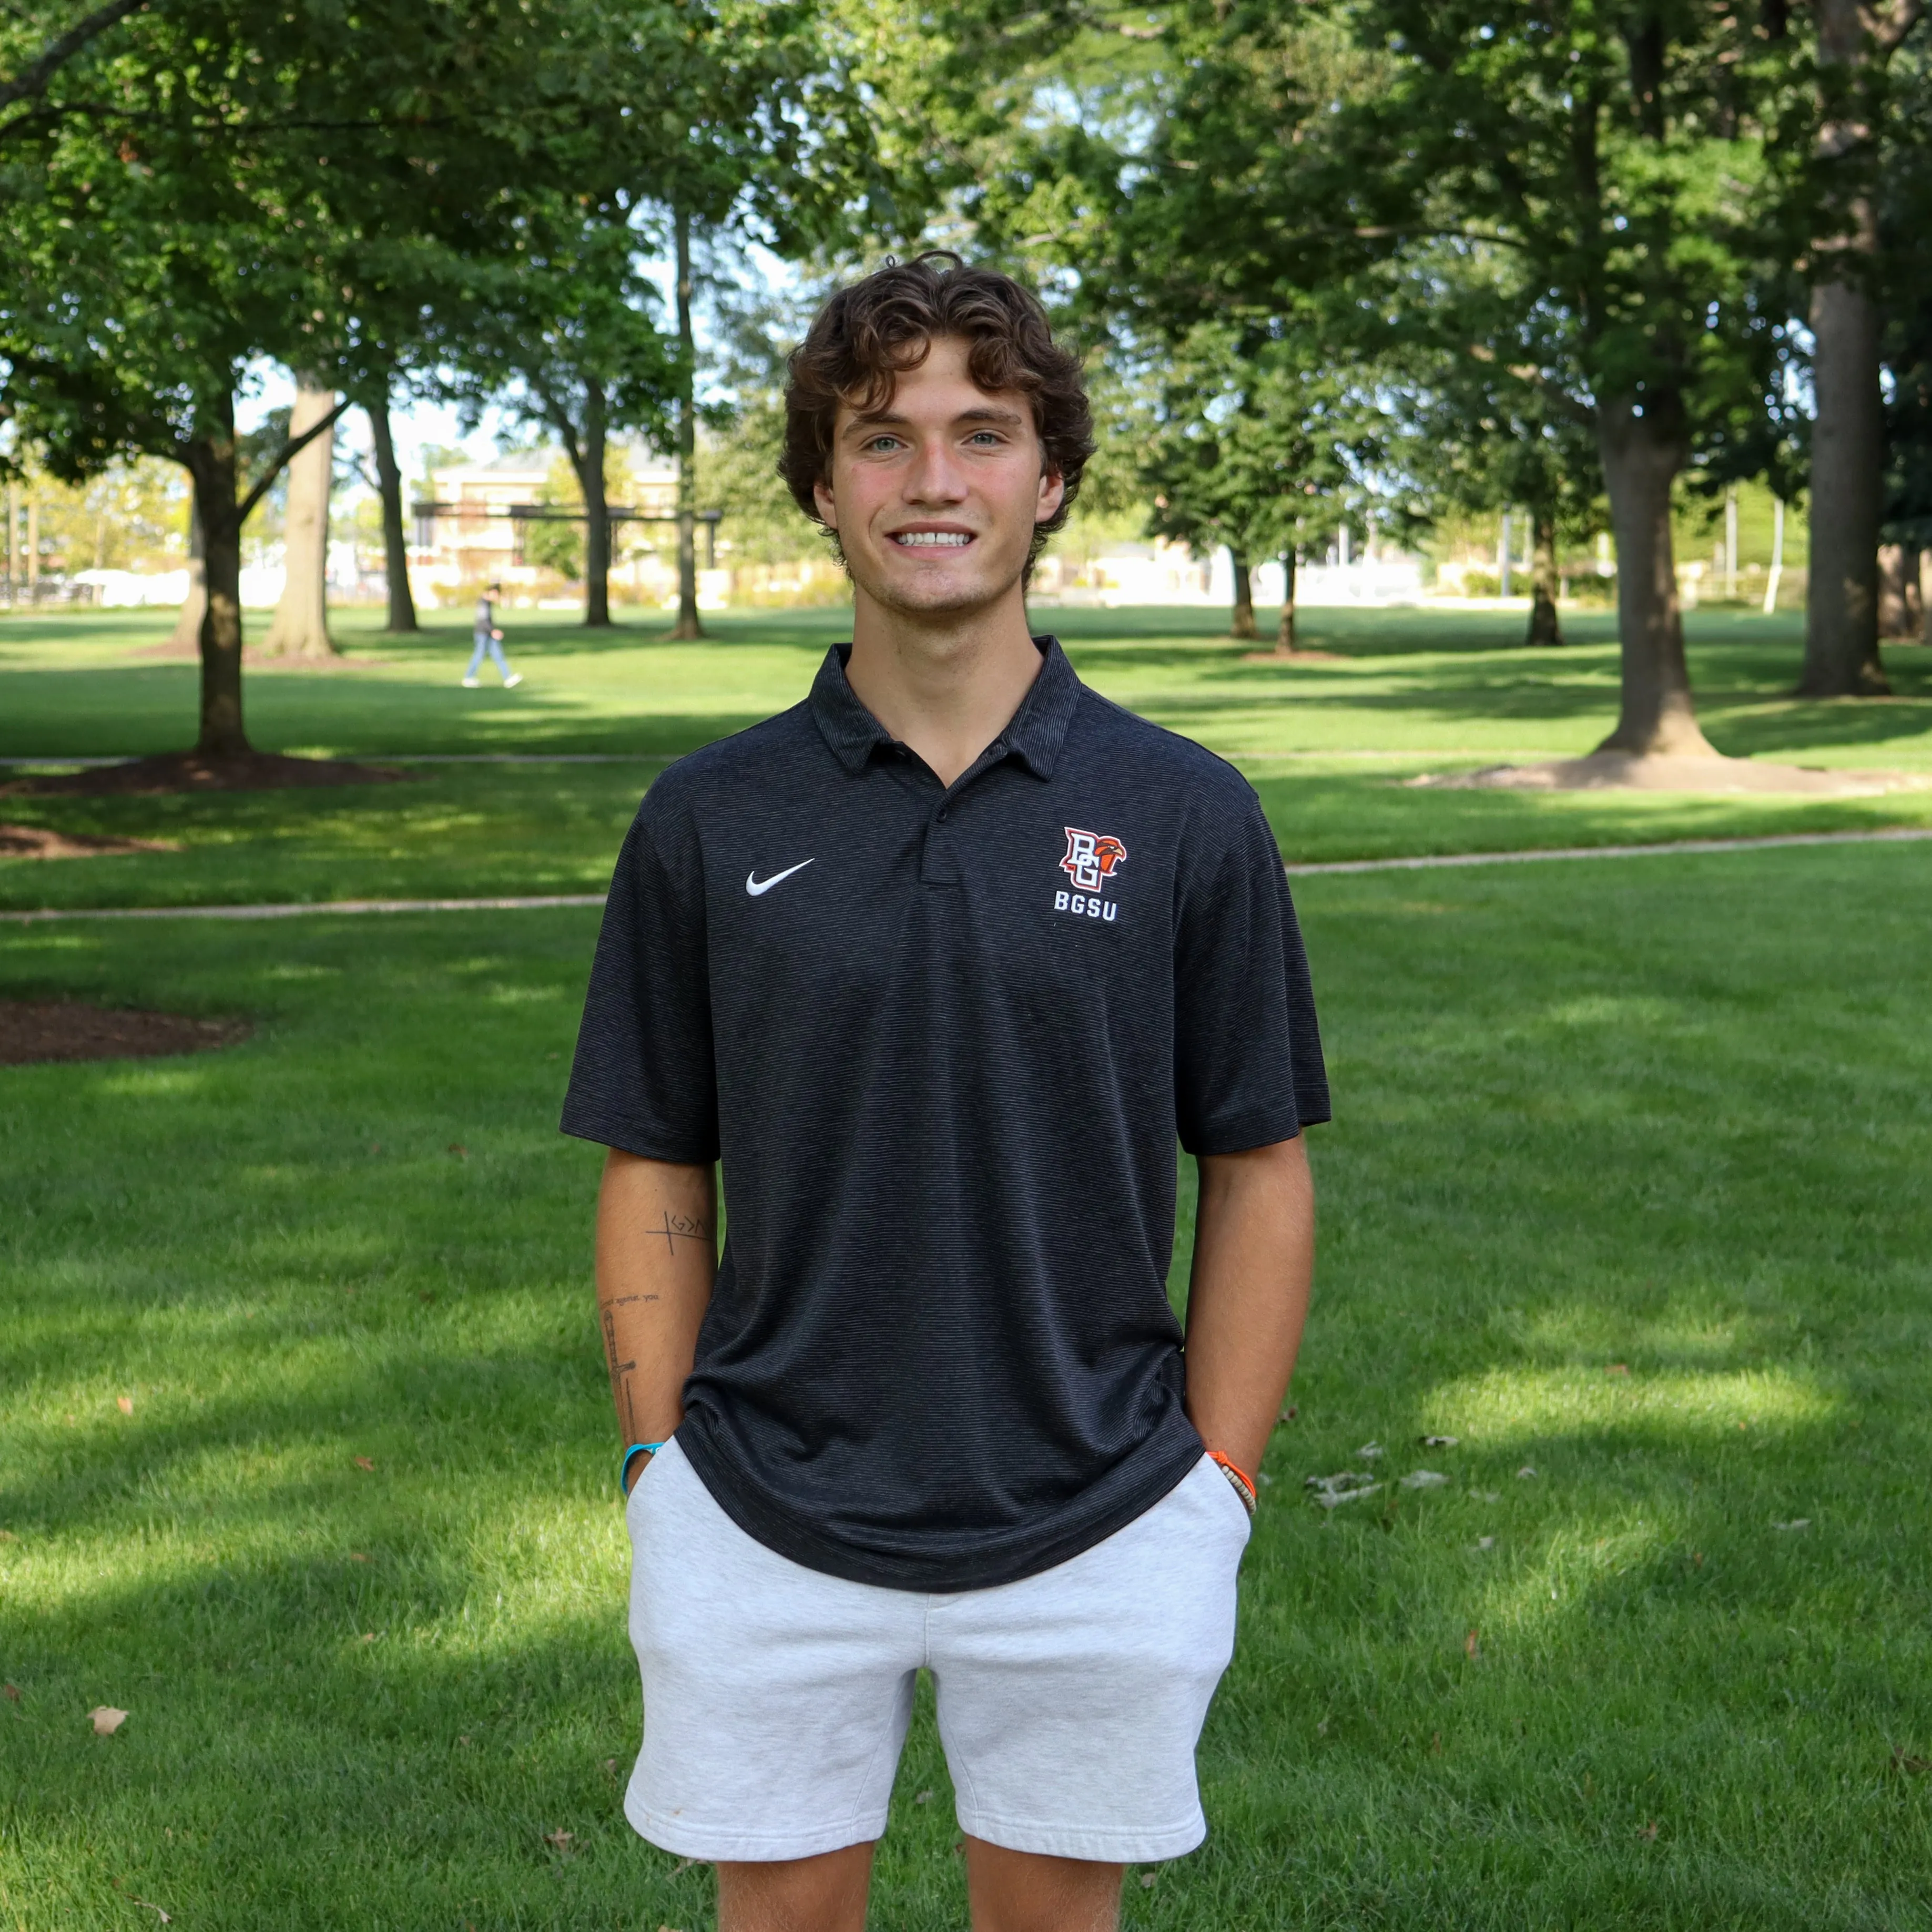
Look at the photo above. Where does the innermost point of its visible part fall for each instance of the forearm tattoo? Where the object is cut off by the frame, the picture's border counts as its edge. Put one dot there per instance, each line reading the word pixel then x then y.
pixel 674 1227
pixel 621 1371
pixel 684 1227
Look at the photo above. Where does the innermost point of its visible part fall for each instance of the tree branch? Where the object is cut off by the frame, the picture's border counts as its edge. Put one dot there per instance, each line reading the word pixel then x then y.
pixel 284 456
pixel 1393 232
pixel 561 421
pixel 63 47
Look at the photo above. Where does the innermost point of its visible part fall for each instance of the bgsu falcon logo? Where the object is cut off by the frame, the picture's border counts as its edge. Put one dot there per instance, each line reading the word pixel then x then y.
pixel 1092 859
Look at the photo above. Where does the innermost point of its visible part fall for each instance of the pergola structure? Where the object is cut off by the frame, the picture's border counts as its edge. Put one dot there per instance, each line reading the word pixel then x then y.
pixel 556 513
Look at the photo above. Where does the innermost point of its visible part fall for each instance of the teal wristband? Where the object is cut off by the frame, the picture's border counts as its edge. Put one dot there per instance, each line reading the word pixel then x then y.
pixel 631 1455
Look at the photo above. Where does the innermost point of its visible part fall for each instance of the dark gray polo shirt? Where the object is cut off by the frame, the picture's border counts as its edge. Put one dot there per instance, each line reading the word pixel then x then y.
pixel 944 1040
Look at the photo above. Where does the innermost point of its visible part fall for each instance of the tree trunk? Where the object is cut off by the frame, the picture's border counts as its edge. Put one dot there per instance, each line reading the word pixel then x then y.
pixel 395 540
pixel 194 605
pixel 1898 613
pixel 300 626
pixel 596 513
pixel 1642 446
pixel 211 460
pixel 1545 626
pixel 689 625
pixel 1284 636
pixel 1841 657
pixel 1242 623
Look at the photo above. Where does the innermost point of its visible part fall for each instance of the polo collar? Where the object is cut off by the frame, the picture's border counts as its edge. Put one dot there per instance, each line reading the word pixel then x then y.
pixel 1033 735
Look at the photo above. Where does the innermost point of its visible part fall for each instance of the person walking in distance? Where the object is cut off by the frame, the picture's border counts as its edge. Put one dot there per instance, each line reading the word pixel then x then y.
pixel 488 637
pixel 943 960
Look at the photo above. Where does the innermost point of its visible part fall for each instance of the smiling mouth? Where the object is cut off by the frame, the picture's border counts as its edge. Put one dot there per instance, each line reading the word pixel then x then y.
pixel 931 539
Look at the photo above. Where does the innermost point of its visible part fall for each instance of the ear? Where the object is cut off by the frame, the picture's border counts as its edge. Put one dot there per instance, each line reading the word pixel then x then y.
pixel 1052 494
pixel 828 507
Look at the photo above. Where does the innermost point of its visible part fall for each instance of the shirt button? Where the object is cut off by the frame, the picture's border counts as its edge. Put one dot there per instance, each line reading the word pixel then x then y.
pixel 942 812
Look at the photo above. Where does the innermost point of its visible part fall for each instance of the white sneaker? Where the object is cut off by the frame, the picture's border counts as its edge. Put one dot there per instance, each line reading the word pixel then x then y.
pixel 515 678
pixel 470 683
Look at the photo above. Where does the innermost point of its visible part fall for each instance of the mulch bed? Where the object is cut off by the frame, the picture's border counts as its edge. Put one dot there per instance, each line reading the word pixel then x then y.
pixel 32 1030
pixel 42 841
pixel 190 771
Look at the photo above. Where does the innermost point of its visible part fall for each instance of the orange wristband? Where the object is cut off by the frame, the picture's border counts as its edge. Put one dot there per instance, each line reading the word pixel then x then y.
pixel 1244 1483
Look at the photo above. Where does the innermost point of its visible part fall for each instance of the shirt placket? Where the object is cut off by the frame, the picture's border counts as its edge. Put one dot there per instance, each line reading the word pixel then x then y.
pixel 939 857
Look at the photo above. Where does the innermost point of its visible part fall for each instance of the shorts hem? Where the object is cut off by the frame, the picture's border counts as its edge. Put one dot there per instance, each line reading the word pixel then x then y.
pixel 733 1845
pixel 1108 1844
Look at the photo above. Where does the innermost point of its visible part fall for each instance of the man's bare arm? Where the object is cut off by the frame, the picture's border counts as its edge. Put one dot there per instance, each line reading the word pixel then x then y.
pixel 657 1251
pixel 1254 1262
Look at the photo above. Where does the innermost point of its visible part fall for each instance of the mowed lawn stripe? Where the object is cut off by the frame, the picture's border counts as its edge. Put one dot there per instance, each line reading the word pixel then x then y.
pixel 1625 1188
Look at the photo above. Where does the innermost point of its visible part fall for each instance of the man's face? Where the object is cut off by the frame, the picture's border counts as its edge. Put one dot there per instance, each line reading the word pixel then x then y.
pixel 934 496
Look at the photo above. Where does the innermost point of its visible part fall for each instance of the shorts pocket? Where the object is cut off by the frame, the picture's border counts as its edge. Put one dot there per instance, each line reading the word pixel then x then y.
pixel 643 1478
pixel 1214 1474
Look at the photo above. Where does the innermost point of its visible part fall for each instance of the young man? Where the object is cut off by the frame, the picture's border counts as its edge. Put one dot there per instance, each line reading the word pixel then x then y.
pixel 940 961
pixel 485 636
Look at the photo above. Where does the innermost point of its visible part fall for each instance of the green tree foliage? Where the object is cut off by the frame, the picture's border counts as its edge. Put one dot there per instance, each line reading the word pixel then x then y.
pixel 738 466
pixel 1623 156
pixel 214 182
pixel 148 267
pixel 1484 430
pixel 738 119
pixel 560 335
pixel 557 546
pixel 1256 444
pixel 37 42
pixel 754 331
pixel 1631 162
pixel 190 195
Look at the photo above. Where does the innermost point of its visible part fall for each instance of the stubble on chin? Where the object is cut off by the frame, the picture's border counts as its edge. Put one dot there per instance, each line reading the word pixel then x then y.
pixel 907 598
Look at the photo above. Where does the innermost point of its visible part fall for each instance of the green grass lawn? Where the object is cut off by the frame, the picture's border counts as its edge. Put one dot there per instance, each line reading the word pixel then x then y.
pixel 1327 745
pixel 1589 1116
pixel 1626 1187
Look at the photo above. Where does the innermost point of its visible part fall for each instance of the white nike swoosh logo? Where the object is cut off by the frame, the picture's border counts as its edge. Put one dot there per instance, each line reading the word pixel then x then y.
pixel 755 885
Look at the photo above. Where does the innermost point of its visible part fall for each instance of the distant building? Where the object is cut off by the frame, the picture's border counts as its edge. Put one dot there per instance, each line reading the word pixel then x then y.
pixel 473 539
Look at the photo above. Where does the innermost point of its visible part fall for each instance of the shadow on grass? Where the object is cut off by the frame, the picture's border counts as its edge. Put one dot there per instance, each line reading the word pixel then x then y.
pixel 56 712
pixel 1630 1113
pixel 1398 632
pixel 1807 726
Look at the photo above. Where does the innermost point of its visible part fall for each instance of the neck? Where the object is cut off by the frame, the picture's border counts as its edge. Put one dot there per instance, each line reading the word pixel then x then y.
pixel 946 685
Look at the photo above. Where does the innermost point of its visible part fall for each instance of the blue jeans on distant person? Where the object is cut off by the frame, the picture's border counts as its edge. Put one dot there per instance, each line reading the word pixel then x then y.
pixel 485 642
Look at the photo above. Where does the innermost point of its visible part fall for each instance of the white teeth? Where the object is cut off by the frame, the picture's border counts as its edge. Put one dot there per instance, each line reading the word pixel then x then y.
pixel 933 539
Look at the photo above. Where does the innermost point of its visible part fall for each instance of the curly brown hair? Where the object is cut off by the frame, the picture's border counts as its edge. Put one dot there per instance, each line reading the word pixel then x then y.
pixel 874 330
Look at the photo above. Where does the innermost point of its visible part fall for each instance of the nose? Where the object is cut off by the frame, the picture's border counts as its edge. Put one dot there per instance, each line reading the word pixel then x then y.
pixel 935 477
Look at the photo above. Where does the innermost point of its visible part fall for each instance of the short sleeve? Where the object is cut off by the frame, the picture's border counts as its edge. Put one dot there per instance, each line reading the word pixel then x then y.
pixel 643 1079
pixel 1248 1067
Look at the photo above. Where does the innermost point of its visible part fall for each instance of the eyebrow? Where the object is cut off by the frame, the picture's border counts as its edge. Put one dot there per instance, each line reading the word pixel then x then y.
pixel 890 419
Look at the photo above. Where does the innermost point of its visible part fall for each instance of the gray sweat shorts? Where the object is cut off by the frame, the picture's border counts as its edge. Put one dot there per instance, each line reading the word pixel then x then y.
pixel 776 1698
